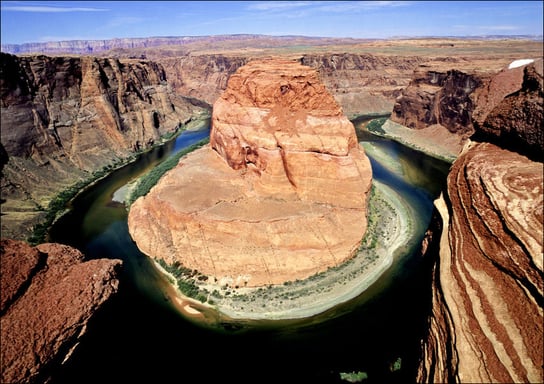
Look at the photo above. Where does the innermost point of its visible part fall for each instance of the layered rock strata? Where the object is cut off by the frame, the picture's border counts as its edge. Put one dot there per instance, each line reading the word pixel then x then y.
pixel 48 295
pixel 279 194
pixel 487 317
pixel 65 117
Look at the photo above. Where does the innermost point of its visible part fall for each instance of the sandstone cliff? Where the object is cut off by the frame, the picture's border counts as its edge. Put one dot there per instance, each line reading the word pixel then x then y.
pixel 65 117
pixel 364 83
pixel 48 294
pixel 265 202
pixel 486 323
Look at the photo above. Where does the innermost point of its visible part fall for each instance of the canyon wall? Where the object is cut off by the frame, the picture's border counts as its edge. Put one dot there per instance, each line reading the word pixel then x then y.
pixel 360 83
pixel 48 295
pixel 446 103
pixel 65 117
pixel 486 323
pixel 263 202
pixel 364 83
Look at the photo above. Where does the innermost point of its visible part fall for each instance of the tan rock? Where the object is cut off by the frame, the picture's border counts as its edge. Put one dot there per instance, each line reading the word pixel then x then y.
pixel 280 194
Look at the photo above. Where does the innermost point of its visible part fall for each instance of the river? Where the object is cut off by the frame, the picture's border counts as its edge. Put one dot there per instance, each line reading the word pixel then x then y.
pixel 139 338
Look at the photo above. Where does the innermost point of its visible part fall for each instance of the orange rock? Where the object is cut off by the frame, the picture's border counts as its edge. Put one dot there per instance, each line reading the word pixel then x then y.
pixel 280 194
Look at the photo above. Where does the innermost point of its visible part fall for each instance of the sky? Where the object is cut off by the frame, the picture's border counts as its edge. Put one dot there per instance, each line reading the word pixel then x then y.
pixel 40 21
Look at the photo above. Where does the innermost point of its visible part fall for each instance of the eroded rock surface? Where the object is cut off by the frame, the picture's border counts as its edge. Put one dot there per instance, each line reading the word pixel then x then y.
pixel 48 294
pixel 487 316
pixel 486 323
pixel 65 117
pixel 279 194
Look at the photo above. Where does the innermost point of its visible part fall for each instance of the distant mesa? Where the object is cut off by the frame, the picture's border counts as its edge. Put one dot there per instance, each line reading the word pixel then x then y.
pixel 279 194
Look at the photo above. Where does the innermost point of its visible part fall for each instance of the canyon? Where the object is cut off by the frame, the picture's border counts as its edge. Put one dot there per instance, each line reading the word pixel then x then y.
pixel 262 203
pixel 65 117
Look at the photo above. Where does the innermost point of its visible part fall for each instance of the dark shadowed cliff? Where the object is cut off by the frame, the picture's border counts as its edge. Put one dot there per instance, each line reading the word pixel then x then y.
pixel 64 118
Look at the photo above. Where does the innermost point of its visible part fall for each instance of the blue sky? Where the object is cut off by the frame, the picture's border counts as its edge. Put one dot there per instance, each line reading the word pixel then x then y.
pixel 38 21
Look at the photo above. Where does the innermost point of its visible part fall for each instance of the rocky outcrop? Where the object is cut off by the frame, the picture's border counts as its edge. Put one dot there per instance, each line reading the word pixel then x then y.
pixel 361 84
pixel 471 101
pixel 203 77
pixel 264 202
pixel 48 295
pixel 486 323
pixel 438 97
pixel 513 113
pixel 66 117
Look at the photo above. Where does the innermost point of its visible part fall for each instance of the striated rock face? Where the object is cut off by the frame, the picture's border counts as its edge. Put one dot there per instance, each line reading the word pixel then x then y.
pixel 487 319
pixel 203 77
pixel 280 194
pixel 487 316
pixel 48 294
pixel 63 118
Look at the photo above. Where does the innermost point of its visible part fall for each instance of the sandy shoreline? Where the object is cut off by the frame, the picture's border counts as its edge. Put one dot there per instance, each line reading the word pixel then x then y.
pixel 391 229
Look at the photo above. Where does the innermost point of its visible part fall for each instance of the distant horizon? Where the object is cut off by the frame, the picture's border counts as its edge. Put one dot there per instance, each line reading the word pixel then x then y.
pixel 30 22
pixel 474 37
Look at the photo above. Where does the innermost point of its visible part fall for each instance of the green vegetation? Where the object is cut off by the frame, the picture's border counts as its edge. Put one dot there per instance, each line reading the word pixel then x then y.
pixel 353 377
pixel 147 181
pixel 184 279
pixel 58 204
pixel 375 126
pixel 396 365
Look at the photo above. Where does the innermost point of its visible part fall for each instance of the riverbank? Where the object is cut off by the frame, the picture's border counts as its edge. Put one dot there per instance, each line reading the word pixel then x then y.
pixel 390 233
pixel 435 141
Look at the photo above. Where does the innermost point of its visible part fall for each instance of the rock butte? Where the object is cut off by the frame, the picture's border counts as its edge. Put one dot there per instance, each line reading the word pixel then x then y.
pixel 279 194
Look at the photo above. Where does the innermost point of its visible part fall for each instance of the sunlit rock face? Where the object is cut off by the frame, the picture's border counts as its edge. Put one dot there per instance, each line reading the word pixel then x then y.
pixel 279 194
pixel 48 295
pixel 486 323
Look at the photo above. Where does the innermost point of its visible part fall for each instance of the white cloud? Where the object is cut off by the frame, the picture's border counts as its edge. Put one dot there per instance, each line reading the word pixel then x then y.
pixel 278 5
pixel 49 9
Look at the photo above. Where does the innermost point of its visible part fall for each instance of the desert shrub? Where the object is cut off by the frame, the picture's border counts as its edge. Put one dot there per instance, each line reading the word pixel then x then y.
pixel 375 125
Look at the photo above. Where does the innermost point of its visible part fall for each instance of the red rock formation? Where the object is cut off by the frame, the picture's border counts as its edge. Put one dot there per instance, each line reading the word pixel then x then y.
pixel 514 120
pixel 263 204
pixel 63 118
pixel 486 323
pixel 48 294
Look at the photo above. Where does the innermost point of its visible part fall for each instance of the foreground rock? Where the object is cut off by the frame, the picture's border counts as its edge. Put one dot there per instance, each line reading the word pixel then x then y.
pixel 48 294
pixel 280 194
pixel 487 316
